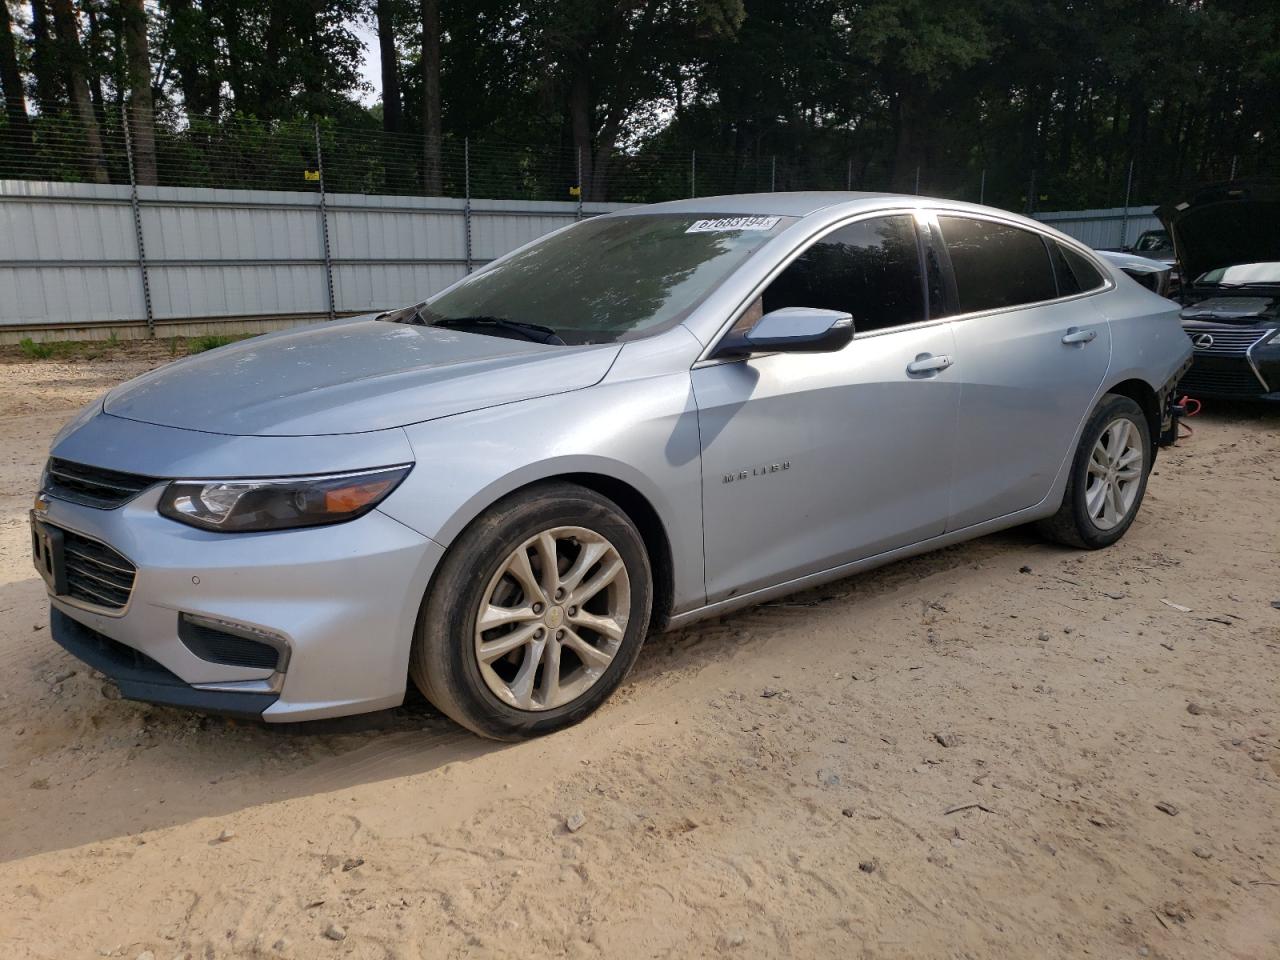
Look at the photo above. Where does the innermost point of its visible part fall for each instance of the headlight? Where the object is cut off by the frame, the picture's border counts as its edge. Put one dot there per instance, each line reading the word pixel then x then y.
pixel 234 506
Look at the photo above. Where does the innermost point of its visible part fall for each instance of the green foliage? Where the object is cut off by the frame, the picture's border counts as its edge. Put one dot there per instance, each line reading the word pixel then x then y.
pixel 210 342
pixel 1020 102
pixel 36 351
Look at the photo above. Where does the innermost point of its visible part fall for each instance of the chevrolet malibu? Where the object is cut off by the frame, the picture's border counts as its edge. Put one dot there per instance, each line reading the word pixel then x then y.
pixel 636 422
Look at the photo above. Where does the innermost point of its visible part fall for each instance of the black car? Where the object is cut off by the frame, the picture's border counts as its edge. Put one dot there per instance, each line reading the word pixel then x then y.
pixel 1227 241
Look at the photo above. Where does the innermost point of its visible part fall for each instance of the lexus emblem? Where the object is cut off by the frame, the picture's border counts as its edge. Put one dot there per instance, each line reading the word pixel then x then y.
pixel 1202 341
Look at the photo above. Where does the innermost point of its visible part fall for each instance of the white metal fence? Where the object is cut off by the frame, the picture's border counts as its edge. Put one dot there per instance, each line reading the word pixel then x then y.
pixel 89 257
pixel 1106 228
pixel 81 259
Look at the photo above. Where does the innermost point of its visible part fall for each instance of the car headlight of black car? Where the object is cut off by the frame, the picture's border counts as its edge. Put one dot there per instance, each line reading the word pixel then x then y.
pixel 239 506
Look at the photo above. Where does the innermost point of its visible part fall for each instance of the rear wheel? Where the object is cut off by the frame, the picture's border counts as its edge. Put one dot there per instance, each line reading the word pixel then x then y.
pixel 1108 477
pixel 536 614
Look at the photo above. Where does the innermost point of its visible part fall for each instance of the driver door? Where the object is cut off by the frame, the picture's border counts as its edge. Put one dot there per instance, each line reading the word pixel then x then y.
pixel 811 461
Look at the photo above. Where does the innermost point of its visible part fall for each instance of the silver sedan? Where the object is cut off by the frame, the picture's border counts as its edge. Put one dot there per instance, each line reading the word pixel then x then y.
pixel 636 422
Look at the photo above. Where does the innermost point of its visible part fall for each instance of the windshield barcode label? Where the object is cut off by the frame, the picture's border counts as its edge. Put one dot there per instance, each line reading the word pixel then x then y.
pixel 733 223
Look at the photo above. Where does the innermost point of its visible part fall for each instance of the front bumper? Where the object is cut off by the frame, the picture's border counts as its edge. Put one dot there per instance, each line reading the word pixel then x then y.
pixel 1247 369
pixel 343 599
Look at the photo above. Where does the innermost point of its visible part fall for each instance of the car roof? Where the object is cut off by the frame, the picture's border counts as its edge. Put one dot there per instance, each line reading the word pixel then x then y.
pixel 797 204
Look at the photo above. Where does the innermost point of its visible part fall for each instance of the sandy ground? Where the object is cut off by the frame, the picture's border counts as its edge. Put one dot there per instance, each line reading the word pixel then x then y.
pixel 957 756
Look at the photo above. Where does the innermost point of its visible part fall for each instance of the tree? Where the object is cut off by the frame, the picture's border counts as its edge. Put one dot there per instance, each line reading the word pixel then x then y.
pixel 142 127
pixel 392 110
pixel 72 60
pixel 17 123
pixel 44 58
pixel 432 128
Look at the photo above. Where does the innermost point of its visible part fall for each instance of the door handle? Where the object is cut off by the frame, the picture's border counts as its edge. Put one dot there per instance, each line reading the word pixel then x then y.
pixel 927 364
pixel 1076 335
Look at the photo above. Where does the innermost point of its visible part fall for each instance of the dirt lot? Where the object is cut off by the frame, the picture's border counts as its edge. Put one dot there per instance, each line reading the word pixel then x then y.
pixel 963 755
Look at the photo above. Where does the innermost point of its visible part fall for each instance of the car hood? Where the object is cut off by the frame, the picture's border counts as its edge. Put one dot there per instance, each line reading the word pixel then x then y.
pixel 1231 310
pixel 352 376
pixel 1224 224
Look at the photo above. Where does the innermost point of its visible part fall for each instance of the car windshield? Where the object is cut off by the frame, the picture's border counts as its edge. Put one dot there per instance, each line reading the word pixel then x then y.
pixel 1242 275
pixel 607 279
pixel 1151 240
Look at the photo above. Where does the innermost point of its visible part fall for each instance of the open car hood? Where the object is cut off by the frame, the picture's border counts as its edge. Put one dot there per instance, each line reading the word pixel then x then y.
pixel 1224 224
pixel 352 376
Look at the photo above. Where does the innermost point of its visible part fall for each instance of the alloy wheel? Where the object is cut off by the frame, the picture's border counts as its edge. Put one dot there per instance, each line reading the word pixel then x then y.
pixel 552 618
pixel 1115 474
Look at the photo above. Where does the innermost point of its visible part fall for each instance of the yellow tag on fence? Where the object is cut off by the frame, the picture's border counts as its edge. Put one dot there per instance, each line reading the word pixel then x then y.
pixel 311 174
pixel 575 191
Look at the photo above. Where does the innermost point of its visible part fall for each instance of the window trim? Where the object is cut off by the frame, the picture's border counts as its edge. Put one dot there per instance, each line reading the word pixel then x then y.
pixel 1108 283
pixel 706 357
pixel 922 216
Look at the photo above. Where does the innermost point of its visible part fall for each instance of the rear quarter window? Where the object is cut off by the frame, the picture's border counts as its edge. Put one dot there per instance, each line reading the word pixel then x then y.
pixel 996 265
pixel 1076 274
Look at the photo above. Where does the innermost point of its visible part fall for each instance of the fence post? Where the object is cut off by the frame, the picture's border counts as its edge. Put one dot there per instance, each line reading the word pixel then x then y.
pixel 137 222
pixel 848 174
pixel 581 189
pixel 693 173
pixel 1124 217
pixel 466 188
pixel 1234 158
pixel 324 222
pixel 773 173
pixel 982 187
pixel 1031 194
pixel 917 181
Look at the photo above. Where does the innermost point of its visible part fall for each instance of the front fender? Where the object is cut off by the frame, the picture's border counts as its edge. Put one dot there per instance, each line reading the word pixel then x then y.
pixel 643 433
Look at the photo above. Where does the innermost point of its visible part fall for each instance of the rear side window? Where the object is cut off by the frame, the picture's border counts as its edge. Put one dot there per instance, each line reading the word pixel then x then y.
pixel 1075 273
pixel 996 265
pixel 869 269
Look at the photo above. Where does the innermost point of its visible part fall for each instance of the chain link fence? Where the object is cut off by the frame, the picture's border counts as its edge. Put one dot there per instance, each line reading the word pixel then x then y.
pixel 290 155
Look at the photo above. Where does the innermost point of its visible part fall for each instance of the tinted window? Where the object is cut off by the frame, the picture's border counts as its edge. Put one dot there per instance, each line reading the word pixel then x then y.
pixel 870 269
pixel 996 265
pixel 611 278
pixel 1083 274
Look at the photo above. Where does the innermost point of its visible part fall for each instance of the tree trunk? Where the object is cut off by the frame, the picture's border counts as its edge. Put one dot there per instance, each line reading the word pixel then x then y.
pixel 18 126
pixel 580 123
pixel 44 61
pixel 195 73
pixel 90 45
pixel 142 126
pixel 392 114
pixel 432 180
pixel 71 59
pixel 909 111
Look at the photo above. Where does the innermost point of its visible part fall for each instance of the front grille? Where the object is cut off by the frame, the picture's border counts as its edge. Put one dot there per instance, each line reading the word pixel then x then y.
pixel 1220 382
pixel 96 574
pixel 1226 342
pixel 92 486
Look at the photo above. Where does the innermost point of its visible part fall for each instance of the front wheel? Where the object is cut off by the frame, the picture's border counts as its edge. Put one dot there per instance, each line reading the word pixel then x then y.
pixel 538 611
pixel 1108 477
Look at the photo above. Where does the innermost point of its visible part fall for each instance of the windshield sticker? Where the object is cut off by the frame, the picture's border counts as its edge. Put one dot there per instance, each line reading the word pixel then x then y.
pixel 733 223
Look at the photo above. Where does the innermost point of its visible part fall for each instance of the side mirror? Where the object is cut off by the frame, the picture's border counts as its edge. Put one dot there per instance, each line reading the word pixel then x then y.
pixel 793 330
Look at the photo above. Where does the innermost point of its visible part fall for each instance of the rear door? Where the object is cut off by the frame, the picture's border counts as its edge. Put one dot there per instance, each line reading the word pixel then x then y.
pixel 813 460
pixel 1034 351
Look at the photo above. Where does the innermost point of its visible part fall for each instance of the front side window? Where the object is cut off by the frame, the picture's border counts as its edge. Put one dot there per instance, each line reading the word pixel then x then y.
pixel 869 269
pixel 607 279
pixel 996 265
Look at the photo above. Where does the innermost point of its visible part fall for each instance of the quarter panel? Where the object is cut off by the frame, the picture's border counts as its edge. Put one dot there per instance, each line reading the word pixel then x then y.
pixel 1024 395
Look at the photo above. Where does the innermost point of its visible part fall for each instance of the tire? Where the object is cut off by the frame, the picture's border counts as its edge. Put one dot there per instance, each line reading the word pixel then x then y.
pixel 1075 524
pixel 510 696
